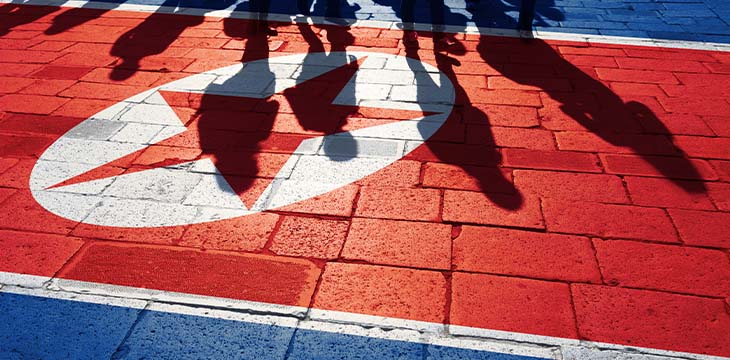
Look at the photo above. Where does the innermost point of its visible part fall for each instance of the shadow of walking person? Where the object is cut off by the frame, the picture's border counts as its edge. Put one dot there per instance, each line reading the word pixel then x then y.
pixel 14 14
pixel 343 146
pixel 489 178
pixel 590 103
pixel 151 37
pixel 236 113
pixel 74 17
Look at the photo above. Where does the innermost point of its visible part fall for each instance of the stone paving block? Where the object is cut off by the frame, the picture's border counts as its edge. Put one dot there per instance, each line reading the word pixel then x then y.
pixel 655 166
pixel 492 209
pixel 572 186
pixel 640 317
pixel 383 291
pixel 10 84
pixel 702 228
pixel 161 333
pixel 63 329
pixel 472 178
pixel 616 144
pixel 506 303
pixel 36 253
pixel 399 203
pixel 672 268
pixel 399 243
pixel 523 253
pixel 703 147
pixel 673 194
pixel 248 233
pixel 310 237
pixel 96 129
pixel 34 104
pixel 287 281
pixel 47 87
pixel 613 221
pixel 402 173
pixel 551 160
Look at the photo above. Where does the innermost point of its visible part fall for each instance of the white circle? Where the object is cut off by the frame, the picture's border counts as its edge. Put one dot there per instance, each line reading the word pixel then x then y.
pixel 196 192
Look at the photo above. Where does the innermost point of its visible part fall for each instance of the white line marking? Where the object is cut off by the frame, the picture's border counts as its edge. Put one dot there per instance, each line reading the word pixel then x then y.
pixel 231 13
pixel 324 320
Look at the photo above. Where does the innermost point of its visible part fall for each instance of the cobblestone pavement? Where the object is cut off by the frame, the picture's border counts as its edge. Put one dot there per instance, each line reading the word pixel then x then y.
pixel 174 185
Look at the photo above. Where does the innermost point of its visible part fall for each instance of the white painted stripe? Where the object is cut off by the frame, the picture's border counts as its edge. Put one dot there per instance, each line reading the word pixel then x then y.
pixel 275 319
pixel 231 13
pixel 324 320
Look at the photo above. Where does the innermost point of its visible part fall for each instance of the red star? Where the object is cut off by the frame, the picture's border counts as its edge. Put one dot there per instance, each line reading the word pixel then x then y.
pixel 250 139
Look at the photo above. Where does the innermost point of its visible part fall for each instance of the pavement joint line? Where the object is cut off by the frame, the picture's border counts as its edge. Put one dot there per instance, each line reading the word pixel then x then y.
pixel 388 25
pixel 314 319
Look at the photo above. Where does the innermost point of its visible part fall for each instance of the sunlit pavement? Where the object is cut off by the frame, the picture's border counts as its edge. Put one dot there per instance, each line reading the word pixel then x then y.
pixel 180 181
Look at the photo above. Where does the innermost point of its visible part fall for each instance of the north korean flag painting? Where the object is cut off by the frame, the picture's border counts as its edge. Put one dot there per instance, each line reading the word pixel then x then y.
pixel 374 180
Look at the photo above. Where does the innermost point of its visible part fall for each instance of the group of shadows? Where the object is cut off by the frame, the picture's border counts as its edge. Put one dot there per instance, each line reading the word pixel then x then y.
pixel 527 61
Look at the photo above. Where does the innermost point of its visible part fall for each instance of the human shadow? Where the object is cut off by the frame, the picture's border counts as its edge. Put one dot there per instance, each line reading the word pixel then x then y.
pixel 74 17
pixel 584 99
pixel 14 14
pixel 333 118
pixel 233 119
pixel 239 113
pixel 514 14
pixel 153 36
pixel 480 161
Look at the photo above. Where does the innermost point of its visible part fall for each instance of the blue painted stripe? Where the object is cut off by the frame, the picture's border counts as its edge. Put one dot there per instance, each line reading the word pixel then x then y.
pixel 657 18
pixel 37 327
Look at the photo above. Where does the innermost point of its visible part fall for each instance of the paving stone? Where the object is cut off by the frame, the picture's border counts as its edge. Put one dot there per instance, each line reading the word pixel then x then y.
pixel 399 243
pixel 288 281
pixel 572 186
pixel 310 237
pixel 161 332
pixel 628 316
pixel 702 228
pixel 33 104
pixel 551 160
pixel 514 304
pixel 383 291
pixel 246 233
pixel 664 267
pixel 492 209
pixel 36 253
pixel 524 253
pixel 668 193
pixel 622 221
pixel 96 129
pixel 399 203
pixel 655 166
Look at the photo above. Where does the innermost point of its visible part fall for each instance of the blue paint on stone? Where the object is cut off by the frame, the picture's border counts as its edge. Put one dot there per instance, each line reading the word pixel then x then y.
pixel 658 17
pixel 310 345
pixel 37 327
pixel 41 328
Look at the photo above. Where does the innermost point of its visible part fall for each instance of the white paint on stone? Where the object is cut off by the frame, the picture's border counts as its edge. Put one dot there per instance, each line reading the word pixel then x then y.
pixel 196 192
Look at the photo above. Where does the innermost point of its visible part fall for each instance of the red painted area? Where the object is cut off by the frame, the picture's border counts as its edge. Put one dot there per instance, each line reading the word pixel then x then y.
pixel 652 318
pixel 267 279
pixel 504 303
pixel 524 253
pixel 384 291
pixel 577 190
pixel 399 243
pixel 310 237
pixel 36 253
pixel 647 266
